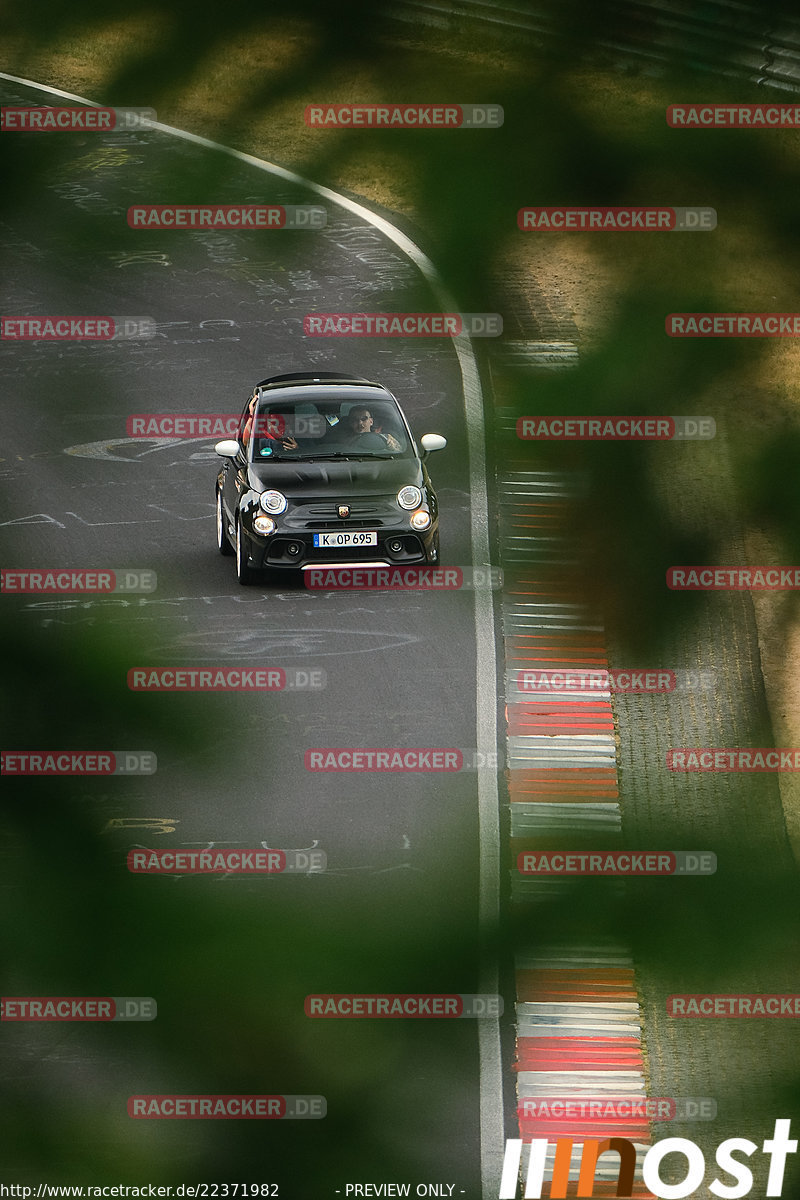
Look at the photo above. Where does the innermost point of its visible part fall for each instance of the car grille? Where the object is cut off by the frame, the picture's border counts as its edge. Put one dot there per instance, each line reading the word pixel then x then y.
pixel 363 515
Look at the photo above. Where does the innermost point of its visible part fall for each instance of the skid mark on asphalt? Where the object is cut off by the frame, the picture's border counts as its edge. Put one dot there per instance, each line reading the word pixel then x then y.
pixel 139 521
pixel 139 258
pixel 34 519
pixel 222 642
pixel 180 516
pixel 104 450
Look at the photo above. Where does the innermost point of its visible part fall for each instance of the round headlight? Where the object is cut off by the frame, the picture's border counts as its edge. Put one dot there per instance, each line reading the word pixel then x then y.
pixel 421 519
pixel 264 525
pixel 273 502
pixel 409 497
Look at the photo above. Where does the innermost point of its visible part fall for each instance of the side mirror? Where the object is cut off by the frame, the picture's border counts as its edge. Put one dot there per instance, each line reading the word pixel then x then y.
pixel 431 442
pixel 227 449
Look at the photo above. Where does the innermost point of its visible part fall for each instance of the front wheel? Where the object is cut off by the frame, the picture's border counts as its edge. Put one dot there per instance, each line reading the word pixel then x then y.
pixel 223 543
pixel 244 573
pixel 434 555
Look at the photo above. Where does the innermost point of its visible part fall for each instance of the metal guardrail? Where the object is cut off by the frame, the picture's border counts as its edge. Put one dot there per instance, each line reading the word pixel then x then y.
pixel 730 39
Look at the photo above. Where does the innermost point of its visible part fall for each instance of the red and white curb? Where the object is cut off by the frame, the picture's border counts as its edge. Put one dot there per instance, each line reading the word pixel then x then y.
pixel 579 1030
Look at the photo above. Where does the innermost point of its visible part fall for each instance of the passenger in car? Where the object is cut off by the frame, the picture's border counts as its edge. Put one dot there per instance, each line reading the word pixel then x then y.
pixel 273 430
pixel 248 425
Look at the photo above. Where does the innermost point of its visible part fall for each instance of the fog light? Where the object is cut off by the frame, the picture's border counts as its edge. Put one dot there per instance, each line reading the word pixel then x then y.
pixel 420 519
pixel 264 525
pixel 395 545
pixel 293 549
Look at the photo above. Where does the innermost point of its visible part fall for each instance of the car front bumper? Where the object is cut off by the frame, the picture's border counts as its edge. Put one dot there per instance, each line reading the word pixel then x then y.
pixel 290 550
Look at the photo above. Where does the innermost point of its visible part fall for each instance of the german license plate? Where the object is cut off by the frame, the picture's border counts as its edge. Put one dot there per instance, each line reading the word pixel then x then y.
pixel 351 537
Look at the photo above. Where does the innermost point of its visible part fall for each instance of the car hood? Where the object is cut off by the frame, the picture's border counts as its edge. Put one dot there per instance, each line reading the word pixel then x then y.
pixel 356 477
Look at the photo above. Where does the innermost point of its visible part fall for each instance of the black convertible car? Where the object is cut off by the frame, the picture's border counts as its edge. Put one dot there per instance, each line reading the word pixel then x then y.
pixel 325 471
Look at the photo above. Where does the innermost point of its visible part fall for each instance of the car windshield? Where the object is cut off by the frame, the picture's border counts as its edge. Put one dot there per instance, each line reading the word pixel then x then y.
pixel 328 429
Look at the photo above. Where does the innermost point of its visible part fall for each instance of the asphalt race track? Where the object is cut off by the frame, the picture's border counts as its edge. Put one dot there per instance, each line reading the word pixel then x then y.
pixel 229 959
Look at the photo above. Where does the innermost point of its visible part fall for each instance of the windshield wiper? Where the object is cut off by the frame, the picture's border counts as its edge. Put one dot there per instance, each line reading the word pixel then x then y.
pixel 324 458
pixel 357 457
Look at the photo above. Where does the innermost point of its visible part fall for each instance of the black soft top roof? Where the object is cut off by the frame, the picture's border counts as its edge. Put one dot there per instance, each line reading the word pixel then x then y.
pixel 303 378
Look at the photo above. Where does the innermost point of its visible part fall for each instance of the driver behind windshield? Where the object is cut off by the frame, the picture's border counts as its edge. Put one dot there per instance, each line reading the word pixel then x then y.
pixel 357 432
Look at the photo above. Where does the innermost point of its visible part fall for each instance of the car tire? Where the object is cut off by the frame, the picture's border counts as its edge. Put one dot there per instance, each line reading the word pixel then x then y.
pixel 244 574
pixel 223 541
pixel 435 546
